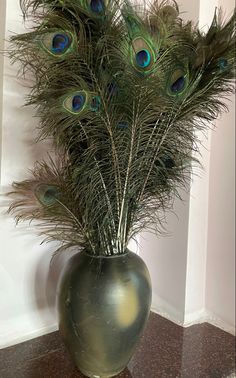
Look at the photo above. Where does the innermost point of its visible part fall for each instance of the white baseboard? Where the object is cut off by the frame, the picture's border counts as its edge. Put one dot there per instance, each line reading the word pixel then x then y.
pixel 195 317
pixel 220 323
pixel 17 339
pixel 206 316
pixel 26 326
pixel 202 316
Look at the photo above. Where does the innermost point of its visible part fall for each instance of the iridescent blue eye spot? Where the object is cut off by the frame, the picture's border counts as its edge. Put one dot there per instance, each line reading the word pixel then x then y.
pixel 95 103
pixel 78 102
pixel 143 58
pixel 178 85
pixel 223 64
pixel 97 6
pixel 60 43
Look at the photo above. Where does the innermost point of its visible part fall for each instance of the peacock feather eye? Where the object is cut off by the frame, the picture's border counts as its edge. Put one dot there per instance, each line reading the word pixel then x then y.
pixel 97 6
pixel 143 55
pixel 178 85
pixel 178 82
pixel 46 194
pixel 95 103
pixel 75 103
pixel 81 101
pixel 58 43
pixel 223 64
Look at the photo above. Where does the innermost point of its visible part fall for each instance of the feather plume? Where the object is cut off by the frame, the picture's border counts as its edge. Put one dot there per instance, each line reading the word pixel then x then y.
pixel 121 91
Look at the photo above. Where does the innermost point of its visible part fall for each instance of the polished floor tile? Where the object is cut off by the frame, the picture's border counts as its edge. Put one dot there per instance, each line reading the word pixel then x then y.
pixel 166 350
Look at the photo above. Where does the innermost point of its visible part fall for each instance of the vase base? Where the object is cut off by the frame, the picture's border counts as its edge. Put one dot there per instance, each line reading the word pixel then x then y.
pixel 93 375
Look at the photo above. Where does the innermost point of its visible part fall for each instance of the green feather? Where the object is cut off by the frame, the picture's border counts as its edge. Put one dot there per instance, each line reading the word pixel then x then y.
pixel 143 49
pixel 80 102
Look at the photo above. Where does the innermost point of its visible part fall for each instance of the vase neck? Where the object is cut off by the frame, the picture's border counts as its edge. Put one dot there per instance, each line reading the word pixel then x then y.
pixel 106 256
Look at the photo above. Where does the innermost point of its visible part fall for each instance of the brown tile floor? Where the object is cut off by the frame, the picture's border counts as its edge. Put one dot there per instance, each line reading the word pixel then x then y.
pixel 166 350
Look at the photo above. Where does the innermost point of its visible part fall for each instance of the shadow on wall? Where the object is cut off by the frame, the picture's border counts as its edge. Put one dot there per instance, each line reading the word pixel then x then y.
pixel 47 276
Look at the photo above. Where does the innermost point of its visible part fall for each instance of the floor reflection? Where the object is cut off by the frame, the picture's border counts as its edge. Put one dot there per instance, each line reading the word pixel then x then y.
pixel 125 374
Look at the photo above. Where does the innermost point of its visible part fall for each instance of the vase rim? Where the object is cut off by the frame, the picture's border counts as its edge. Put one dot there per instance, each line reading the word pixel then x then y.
pixel 107 256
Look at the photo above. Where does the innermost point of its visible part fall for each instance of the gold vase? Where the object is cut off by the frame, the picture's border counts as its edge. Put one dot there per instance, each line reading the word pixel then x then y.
pixel 103 306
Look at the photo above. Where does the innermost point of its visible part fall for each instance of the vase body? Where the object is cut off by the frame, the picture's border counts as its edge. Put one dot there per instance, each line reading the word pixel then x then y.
pixel 103 306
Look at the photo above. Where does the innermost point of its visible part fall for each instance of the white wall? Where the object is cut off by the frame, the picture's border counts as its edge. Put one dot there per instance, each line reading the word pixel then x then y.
pixel 210 285
pixel 166 258
pixel 198 211
pixel 2 34
pixel 26 290
pixel 220 268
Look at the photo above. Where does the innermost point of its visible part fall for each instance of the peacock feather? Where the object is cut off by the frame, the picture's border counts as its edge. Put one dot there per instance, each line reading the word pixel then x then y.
pixel 143 48
pixel 120 90
pixel 78 102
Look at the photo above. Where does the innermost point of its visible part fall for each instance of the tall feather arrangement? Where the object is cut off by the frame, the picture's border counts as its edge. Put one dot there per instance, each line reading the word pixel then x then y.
pixel 121 91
